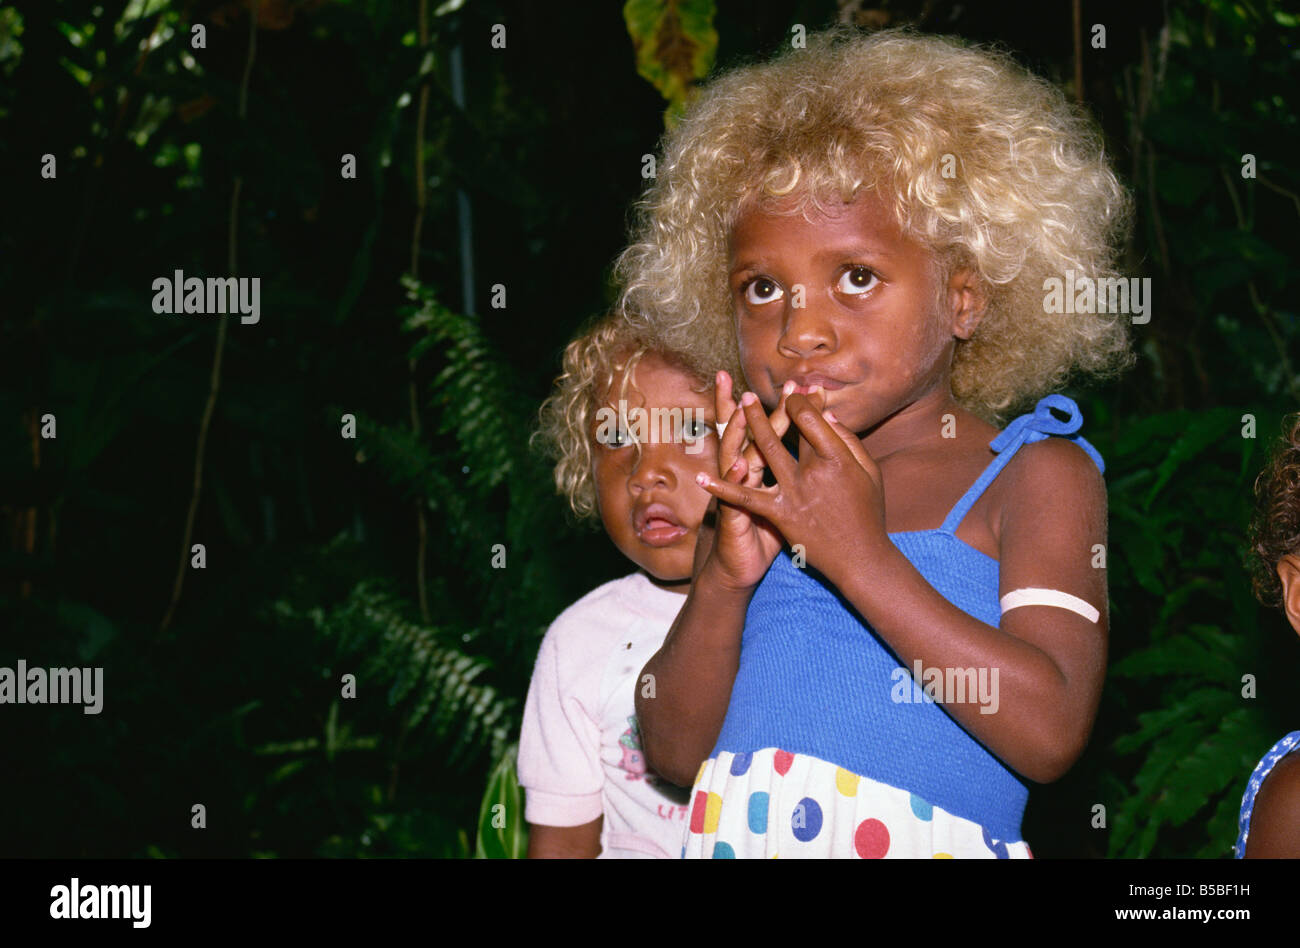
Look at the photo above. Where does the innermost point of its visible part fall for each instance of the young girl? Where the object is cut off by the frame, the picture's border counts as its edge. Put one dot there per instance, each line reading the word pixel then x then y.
pixel 886 644
pixel 1270 808
pixel 631 429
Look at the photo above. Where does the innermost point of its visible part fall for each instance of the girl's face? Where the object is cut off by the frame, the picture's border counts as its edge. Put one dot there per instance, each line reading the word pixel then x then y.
pixel 847 302
pixel 646 492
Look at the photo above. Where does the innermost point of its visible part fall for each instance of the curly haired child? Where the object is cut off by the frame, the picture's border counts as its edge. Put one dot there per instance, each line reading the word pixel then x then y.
pixel 630 428
pixel 887 643
pixel 1269 826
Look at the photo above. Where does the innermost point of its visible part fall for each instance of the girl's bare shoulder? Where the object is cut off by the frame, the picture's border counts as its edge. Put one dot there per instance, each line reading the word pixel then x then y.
pixel 1275 820
pixel 1053 480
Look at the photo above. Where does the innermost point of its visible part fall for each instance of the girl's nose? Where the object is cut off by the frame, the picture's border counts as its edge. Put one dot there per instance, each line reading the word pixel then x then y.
pixel 807 330
pixel 655 467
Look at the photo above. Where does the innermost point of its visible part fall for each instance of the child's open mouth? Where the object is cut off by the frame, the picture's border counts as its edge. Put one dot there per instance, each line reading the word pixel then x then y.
pixel 657 525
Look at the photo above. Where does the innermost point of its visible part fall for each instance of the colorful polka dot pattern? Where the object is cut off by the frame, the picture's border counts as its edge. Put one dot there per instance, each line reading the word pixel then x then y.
pixel 757 816
pixel 871 839
pixel 773 802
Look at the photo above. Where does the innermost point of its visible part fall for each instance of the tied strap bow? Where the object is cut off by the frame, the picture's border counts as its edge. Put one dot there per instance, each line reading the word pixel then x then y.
pixel 1041 423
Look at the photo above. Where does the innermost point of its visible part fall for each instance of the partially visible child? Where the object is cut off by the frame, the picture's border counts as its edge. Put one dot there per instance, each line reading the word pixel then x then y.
pixel 631 429
pixel 1270 808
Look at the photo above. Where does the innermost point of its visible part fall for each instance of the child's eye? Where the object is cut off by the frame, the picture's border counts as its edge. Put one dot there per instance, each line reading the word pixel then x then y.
pixel 762 290
pixel 698 428
pixel 616 439
pixel 857 280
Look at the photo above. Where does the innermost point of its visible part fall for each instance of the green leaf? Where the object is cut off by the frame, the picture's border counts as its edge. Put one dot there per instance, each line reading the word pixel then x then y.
pixel 1204 430
pixel 502 831
pixel 675 45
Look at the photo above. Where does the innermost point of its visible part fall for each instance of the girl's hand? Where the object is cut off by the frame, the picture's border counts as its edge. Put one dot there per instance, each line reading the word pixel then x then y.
pixel 742 546
pixel 830 501
pixel 743 447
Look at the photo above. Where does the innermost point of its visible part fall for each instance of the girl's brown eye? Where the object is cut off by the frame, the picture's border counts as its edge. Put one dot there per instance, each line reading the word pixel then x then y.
pixel 762 290
pixel 857 280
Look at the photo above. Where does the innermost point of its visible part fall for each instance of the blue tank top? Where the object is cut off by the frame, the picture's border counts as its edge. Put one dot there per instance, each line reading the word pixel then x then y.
pixel 815 679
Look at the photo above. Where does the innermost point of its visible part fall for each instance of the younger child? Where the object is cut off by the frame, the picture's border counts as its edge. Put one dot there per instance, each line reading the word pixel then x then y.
pixel 864 232
pixel 1270 808
pixel 631 429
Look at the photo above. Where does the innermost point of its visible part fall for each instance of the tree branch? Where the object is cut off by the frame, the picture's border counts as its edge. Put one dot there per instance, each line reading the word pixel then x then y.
pixel 421 201
pixel 214 381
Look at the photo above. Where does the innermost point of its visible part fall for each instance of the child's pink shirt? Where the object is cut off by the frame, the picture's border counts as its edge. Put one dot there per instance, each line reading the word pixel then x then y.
pixel 579 750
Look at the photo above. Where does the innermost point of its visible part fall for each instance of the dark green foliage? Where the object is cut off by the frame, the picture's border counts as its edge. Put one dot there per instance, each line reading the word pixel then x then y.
pixel 430 681
pixel 1187 631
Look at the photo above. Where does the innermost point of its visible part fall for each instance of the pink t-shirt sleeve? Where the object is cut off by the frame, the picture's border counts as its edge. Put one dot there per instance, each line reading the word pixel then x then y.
pixel 559 744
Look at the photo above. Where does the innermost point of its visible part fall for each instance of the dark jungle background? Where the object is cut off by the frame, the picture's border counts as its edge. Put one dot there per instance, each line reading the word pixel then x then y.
pixel 326 555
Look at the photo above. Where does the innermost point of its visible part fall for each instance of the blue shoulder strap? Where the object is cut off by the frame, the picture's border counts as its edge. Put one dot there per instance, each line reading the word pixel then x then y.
pixel 1034 426
pixel 1262 770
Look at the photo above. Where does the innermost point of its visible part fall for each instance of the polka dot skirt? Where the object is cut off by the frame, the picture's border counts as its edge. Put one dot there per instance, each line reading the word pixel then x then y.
pixel 773 803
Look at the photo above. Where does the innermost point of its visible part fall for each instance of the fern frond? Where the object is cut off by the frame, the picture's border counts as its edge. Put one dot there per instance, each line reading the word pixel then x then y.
pixel 1202 430
pixel 1202 653
pixel 421 666
pixel 1212 767
pixel 471 394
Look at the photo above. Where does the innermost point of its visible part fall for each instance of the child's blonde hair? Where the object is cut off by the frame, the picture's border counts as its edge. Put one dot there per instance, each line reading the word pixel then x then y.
pixel 984 164
pixel 608 351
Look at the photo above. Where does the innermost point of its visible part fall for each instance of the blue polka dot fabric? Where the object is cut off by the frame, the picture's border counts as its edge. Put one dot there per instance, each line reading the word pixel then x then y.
pixel 1261 771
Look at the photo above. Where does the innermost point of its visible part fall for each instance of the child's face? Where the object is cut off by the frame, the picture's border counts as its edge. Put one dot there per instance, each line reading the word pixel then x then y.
pixel 847 302
pixel 648 500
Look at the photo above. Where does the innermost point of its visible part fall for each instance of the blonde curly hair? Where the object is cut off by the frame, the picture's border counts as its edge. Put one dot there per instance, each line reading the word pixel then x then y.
pixel 606 353
pixel 1032 197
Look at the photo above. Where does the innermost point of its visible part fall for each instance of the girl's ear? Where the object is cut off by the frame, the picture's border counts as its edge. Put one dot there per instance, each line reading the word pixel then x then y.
pixel 967 301
pixel 1288 571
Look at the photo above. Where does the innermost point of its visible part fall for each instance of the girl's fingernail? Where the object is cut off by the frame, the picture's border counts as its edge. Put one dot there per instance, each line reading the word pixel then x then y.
pixel 702 480
pixel 788 387
pixel 735 467
pixel 748 398
pixel 830 416
pixel 816 389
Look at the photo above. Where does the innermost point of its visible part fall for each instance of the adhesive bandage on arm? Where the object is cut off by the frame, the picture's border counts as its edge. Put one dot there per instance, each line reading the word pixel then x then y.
pixel 1048 597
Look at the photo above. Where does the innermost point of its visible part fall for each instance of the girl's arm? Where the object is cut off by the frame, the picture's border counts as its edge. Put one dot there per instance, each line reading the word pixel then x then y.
pixel 565 842
pixel 690 678
pixel 1049 661
pixel 682 704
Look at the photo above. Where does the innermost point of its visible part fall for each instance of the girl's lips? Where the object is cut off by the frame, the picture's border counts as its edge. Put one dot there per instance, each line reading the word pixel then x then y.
pixel 661 533
pixel 657 525
pixel 804 384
